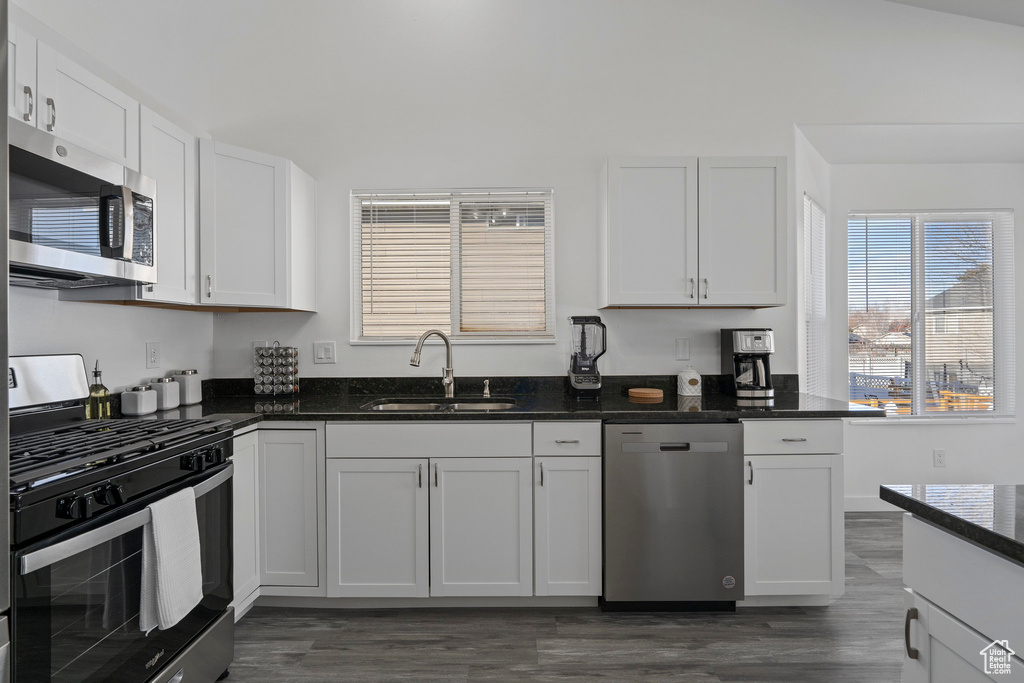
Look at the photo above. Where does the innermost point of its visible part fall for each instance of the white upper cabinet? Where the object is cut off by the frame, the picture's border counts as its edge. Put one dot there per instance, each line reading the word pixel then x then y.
pixel 257 230
pixel 682 231
pixel 169 156
pixel 22 100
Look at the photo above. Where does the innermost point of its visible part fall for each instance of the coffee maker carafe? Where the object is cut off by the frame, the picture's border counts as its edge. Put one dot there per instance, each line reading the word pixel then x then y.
pixel 745 358
pixel 588 344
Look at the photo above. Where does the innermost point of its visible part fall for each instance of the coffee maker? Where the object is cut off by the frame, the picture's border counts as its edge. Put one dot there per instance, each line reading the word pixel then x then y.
pixel 588 344
pixel 745 358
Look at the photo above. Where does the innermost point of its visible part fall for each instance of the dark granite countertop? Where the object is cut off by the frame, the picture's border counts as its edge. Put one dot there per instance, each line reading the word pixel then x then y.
pixel 541 398
pixel 990 515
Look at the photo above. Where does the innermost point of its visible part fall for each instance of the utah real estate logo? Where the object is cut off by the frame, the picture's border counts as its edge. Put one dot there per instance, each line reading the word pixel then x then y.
pixel 997 656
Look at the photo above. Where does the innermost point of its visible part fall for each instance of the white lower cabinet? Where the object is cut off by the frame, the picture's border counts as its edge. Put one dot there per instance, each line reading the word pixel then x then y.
pixel 939 648
pixel 289 507
pixel 567 525
pixel 792 505
pixel 245 522
pixel 481 536
pixel 377 528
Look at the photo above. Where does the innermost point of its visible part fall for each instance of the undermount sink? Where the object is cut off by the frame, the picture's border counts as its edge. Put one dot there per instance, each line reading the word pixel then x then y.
pixel 462 405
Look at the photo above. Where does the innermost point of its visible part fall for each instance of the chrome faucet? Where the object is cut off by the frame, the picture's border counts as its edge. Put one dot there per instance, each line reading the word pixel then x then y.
pixel 448 378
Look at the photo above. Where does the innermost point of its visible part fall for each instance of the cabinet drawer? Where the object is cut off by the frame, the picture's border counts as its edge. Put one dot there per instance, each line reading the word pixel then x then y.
pixel 792 436
pixel 428 440
pixel 567 438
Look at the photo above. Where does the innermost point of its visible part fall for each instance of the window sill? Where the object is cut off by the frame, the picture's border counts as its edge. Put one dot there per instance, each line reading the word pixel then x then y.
pixel 455 342
pixel 922 420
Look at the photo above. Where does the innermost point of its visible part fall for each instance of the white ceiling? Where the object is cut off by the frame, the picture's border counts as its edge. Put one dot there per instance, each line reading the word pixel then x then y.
pixel 918 143
pixel 1001 11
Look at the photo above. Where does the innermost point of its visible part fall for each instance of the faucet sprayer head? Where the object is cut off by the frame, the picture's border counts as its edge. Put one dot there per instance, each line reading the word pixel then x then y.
pixel 415 360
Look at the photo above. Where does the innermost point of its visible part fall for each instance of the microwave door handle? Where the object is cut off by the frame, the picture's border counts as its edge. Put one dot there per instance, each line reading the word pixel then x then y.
pixel 44 557
pixel 128 225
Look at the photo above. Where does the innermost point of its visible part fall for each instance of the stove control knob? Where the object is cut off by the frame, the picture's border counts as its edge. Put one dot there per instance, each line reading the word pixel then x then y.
pixel 194 462
pixel 75 507
pixel 111 494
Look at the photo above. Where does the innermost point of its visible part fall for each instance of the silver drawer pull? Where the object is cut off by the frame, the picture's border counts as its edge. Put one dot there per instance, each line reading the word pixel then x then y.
pixel 567 440
pixel 798 439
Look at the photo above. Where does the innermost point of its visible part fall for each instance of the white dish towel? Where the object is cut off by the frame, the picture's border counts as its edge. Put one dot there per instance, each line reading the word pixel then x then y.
pixel 172 572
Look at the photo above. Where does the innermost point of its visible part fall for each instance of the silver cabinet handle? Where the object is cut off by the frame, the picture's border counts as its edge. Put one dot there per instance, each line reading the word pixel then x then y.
pixel 751 466
pixel 419 476
pixel 707 288
pixel 912 652
pixel 435 474
pixel 53 114
pixel 798 439
pixel 542 473
pixel 567 440
pixel 209 286
pixel 31 103
pixel 693 287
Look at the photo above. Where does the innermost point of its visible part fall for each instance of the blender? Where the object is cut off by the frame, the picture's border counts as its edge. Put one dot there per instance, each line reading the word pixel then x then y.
pixel 588 344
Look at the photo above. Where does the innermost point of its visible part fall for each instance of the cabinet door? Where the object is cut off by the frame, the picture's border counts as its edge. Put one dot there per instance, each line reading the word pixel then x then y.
pixel 649 246
pixel 793 531
pixel 481 536
pixel 948 650
pixel 22 100
pixel 243 214
pixel 78 106
pixel 168 155
pixel 288 508
pixel 567 520
pixel 743 208
pixel 245 492
pixel 377 533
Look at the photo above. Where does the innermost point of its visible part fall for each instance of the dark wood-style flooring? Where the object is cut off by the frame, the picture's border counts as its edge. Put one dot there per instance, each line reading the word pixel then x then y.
pixel 857 638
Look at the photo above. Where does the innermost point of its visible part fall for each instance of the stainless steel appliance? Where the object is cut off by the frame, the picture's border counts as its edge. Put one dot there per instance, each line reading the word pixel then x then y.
pixel 588 344
pixel 5 576
pixel 746 357
pixel 673 516
pixel 76 219
pixel 79 491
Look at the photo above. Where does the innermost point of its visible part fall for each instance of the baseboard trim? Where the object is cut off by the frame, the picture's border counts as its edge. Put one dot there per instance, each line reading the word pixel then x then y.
pixel 427 603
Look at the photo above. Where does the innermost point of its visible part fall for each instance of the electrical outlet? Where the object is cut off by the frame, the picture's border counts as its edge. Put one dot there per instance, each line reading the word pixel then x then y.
pixel 325 352
pixel 939 457
pixel 152 354
pixel 682 349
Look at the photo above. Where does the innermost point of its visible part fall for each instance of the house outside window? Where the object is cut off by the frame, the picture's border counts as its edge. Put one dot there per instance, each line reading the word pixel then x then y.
pixel 476 265
pixel 931 312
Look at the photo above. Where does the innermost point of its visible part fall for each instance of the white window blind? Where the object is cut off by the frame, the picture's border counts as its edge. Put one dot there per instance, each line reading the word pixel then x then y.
pixel 476 265
pixel 815 322
pixel 931 312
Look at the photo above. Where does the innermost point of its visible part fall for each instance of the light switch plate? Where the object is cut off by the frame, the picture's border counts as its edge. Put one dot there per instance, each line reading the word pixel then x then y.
pixel 325 352
pixel 152 355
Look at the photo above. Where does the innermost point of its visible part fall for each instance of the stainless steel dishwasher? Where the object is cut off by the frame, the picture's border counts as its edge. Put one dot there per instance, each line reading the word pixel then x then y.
pixel 673 515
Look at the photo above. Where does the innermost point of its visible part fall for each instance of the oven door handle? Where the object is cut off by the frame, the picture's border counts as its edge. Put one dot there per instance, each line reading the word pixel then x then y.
pixel 44 557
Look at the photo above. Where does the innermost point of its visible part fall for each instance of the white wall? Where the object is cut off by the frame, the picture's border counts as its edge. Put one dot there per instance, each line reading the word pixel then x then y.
pixel 979 451
pixel 116 336
pixel 389 94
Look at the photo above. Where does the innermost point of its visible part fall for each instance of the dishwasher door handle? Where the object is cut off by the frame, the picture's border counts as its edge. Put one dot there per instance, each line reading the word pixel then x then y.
pixel 677 446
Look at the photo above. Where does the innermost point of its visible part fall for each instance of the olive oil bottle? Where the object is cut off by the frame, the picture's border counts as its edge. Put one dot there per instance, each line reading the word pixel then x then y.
pixel 98 407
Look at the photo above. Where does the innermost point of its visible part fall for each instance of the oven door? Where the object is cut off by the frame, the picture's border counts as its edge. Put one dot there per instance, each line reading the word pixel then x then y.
pixel 75 601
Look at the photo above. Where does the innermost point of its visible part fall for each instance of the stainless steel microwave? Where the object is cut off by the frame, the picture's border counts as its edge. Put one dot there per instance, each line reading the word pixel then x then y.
pixel 76 219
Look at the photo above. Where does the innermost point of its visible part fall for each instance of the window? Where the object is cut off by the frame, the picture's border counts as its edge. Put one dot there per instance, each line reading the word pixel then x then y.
pixel 815 321
pixel 475 265
pixel 931 312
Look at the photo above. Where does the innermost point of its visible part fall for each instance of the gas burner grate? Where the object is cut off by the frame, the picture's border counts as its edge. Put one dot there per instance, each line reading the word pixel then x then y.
pixel 38 456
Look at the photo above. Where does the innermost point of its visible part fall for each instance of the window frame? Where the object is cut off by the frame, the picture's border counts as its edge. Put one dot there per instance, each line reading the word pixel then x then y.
pixel 549 336
pixel 1003 312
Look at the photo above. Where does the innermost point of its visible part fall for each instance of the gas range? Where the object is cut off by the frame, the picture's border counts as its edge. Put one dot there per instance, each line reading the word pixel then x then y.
pixel 73 472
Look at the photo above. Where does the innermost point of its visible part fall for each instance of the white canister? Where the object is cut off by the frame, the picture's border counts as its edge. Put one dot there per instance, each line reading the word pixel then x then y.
pixel 140 400
pixel 191 386
pixel 166 393
pixel 689 382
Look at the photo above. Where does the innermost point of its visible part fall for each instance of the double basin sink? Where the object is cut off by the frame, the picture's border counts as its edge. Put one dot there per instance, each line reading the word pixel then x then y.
pixel 446 405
